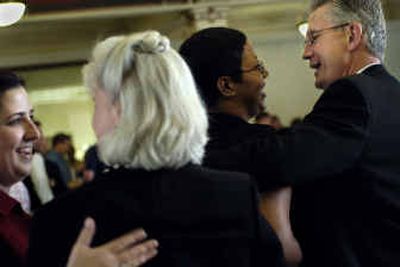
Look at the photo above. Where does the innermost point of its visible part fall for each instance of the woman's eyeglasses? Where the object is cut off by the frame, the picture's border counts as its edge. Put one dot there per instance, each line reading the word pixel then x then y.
pixel 260 67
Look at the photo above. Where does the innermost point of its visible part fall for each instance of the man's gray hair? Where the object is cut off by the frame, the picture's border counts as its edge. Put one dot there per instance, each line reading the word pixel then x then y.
pixel 368 12
pixel 163 122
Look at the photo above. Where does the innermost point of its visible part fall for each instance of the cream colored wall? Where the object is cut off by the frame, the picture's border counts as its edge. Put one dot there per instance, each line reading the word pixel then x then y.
pixel 392 57
pixel 290 90
pixel 73 118
pixel 62 104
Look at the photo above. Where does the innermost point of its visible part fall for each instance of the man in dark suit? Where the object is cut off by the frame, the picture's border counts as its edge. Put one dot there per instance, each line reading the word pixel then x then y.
pixel 345 158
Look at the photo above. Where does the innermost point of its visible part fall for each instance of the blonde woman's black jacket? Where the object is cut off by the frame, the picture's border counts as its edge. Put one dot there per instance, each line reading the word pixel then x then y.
pixel 200 217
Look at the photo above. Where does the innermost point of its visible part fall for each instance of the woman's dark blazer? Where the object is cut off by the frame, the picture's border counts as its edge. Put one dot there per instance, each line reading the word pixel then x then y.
pixel 200 217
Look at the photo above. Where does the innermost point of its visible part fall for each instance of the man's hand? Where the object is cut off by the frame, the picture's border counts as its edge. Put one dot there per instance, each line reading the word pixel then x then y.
pixel 122 251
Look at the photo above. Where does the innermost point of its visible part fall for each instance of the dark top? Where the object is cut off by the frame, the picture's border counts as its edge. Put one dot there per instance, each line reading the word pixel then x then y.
pixel 14 230
pixel 201 217
pixel 33 195
pixel 93 162
pixel 58 187
pixel 62 165
pixel 252 148
pixel 345 163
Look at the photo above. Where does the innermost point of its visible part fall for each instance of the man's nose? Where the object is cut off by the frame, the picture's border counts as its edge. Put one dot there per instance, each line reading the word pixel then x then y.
pixel 307 52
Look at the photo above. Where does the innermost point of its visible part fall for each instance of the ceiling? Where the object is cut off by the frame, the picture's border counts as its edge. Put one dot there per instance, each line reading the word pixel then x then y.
pixel 40 6
pixel 62 32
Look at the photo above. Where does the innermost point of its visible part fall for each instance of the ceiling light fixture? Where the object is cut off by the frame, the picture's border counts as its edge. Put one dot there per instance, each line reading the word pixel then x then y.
pixel 302 27
pixel 11 12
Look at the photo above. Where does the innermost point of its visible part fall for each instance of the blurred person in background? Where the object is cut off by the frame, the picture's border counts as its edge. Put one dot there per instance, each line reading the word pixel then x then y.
pixel 295 121
pixel 58 155
pixel 93 166
pixel 263 117
pixel 38 182
pixel 76 167
pixel 268 119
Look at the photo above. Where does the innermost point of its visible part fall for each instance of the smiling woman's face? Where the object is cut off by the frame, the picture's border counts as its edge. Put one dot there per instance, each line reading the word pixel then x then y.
pixel 17 135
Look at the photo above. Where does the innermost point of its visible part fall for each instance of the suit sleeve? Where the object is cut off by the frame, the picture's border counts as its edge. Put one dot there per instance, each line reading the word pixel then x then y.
pixel 331 138
pixel 259 155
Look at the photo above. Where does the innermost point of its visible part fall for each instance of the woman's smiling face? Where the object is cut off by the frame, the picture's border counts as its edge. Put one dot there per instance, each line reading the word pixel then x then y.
pixel 17 135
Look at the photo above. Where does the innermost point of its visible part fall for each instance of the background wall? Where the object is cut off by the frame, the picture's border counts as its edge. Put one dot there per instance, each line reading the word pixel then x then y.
pixel 392 59
pixel 62 104
pixel 290 90
pixel 290 87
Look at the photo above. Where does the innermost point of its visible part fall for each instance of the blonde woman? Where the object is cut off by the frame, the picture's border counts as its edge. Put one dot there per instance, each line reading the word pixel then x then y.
pixel 152 128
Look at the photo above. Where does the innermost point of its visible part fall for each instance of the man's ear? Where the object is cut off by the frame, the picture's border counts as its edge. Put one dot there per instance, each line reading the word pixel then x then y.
pixel 225 86
pixel 355 35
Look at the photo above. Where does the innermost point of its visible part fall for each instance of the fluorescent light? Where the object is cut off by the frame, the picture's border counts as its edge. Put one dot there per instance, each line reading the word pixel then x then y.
pixel 303 27
pixel 11 12
pixel 59 95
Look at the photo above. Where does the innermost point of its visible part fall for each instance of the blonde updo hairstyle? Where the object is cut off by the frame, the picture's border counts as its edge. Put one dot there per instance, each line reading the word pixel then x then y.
pixel 163 123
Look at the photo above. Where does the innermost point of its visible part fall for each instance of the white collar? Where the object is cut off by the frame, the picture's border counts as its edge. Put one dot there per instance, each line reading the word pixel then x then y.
pixel 367 66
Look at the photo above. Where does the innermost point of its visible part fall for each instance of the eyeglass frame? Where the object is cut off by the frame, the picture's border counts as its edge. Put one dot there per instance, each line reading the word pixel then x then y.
pixel 260 67
pixel 312 36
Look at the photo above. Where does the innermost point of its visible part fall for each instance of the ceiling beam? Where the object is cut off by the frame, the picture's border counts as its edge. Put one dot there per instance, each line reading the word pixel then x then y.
pixel 137 10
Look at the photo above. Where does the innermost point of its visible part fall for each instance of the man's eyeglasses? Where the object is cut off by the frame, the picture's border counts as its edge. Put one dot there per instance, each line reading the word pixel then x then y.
pixel 312 36
pixel 260 67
